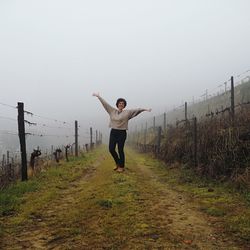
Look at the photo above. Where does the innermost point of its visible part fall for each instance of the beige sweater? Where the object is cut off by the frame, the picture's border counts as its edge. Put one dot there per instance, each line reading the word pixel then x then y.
pixel 119 120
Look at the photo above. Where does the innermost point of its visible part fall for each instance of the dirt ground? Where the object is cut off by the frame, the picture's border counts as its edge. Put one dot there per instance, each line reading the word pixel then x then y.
pixel 108 210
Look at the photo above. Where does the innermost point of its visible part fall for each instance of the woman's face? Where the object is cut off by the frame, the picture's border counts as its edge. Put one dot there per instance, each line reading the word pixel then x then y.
pixel 121 105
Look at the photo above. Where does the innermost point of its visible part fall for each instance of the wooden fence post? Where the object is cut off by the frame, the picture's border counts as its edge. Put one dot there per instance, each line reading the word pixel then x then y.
pixel 66 152
pixel 96 137
pixel 8 157
pixel 76 138
pixel 52 152
pixel 195 142
pixel 145 137
pixel 165 122
pixel 91 138
pixel 159 140
pixel 21 133
pixel 186 111
pixel 232 99
pixel 3 161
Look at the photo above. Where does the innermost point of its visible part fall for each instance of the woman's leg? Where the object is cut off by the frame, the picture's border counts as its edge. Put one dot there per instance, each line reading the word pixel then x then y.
pixel 121 142
pixel 112 144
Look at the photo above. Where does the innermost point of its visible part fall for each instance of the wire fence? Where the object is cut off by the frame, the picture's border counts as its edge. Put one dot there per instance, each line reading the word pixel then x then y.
pixel 215 142
pixel 47 139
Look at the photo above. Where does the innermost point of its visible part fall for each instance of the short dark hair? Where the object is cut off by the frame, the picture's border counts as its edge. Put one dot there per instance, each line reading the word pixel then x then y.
pixel 121 100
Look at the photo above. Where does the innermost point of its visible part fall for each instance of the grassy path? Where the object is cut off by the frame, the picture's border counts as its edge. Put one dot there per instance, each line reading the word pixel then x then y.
pixel 84 204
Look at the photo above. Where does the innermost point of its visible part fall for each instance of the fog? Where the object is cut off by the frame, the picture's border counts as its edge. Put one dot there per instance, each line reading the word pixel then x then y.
pixel 156 54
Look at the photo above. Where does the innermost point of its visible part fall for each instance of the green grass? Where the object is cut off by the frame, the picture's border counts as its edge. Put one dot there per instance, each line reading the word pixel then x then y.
pixel 214 211
pixel 239 224
pixel 56 177
pixel 105 203
pixel 102 208
pixel 215 198
pixel 11 198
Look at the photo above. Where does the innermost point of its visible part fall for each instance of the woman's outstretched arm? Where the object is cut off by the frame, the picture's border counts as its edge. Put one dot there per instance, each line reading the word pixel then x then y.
pixel 107 106
pixel 135 112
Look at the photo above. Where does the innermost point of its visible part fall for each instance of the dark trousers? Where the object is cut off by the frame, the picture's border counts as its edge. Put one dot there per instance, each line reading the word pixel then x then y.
pixel 117 137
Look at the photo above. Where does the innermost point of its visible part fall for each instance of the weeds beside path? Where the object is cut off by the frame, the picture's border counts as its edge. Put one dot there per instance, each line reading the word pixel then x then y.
pixel 84 204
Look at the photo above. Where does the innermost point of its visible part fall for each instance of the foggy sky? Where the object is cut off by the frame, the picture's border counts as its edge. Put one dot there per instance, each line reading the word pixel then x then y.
pixel 55 53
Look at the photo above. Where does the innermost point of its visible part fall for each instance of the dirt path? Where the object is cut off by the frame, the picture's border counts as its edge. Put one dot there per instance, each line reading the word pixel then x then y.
pixel 108 210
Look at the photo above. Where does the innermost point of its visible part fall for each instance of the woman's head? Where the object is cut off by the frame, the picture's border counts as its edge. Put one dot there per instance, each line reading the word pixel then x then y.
pixel 121 103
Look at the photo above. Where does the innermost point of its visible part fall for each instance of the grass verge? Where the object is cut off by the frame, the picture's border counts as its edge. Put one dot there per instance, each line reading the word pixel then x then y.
pixel 226 206
pixel 43 188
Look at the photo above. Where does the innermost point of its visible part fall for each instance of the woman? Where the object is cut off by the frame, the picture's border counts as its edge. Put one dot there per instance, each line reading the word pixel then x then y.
pixel 119 124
